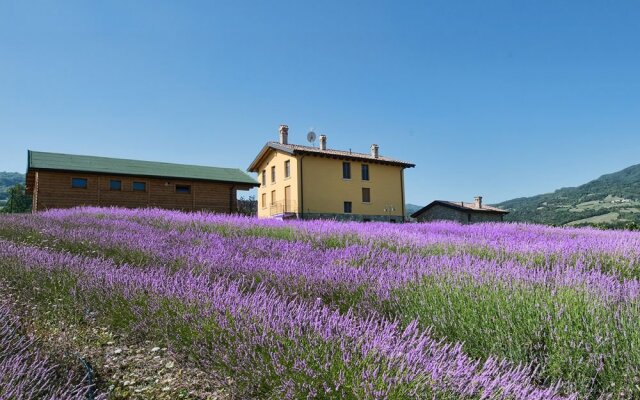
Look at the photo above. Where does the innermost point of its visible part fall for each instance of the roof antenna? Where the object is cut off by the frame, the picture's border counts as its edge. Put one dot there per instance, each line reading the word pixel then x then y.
pixel 311 138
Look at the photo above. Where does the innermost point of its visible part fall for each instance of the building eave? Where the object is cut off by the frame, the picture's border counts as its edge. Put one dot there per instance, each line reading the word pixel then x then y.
pixel 273 146
pixel 266 149
pixel 355 158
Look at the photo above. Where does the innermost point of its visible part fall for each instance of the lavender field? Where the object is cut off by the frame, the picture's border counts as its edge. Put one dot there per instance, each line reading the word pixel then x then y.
pixel 317 309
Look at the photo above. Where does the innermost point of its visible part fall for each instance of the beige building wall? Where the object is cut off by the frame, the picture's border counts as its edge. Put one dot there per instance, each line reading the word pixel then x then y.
pixel 325 190
pixel 267 207
pixel 316 187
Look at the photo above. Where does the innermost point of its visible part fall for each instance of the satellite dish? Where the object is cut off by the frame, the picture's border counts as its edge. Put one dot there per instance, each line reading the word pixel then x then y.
pixel 311 137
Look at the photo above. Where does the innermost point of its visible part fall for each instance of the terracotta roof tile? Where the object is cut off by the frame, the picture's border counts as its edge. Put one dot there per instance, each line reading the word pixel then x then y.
pixel 460 205
pixel 338 153
pixel 472 206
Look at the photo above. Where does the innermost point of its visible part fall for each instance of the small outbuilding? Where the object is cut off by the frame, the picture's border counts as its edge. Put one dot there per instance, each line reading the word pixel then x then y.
pixel 465 213
pixel 64 180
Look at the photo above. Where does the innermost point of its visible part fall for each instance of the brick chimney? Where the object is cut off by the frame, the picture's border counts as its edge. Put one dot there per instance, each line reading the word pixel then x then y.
pixel 374 150
pixel 478 201
pixel 323 142
pixel 284 134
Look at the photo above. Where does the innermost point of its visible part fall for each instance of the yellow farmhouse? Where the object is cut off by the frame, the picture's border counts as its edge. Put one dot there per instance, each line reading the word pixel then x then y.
pixel 316 182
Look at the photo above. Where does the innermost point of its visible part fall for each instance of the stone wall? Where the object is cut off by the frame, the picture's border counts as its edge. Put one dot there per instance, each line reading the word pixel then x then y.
pixel 440 212
pixel 486 217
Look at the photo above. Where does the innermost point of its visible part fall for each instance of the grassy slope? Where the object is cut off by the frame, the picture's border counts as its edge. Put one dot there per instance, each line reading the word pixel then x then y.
pixel 618 192
pixel 566 333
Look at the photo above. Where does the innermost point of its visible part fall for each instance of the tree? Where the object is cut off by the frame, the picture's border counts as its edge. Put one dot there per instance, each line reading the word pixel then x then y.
pixel 248 206
pixel 18 201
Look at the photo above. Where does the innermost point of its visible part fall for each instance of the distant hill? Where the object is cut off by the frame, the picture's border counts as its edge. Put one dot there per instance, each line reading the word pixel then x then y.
pixel 411 208
pixel 7 180
pixel 611 200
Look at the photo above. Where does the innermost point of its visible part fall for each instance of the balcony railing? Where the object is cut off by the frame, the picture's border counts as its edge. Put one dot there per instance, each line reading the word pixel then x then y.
pixel 283 207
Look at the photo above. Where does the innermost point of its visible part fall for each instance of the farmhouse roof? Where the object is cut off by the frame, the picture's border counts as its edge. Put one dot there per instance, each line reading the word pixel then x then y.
pixel 118 166
pixel 460 205
pixel 340 154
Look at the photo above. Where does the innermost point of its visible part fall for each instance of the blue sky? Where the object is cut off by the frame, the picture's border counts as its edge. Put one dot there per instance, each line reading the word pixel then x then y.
pixel 499 98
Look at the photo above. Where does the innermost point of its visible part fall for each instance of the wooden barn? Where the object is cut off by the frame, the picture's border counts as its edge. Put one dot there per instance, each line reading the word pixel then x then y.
pixel 63 180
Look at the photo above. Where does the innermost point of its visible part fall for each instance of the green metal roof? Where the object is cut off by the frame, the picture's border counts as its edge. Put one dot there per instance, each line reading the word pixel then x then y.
pixel 119 166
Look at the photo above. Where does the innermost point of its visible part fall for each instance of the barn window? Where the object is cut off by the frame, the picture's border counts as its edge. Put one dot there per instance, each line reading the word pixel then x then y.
pixel 115 184
pixel 139 186
pixel 185 189
pixel 79 183
pixel 346 170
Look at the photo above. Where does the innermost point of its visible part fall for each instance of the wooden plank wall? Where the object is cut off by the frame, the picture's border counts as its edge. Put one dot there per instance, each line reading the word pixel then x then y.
pixel 30 181
pixel 54 191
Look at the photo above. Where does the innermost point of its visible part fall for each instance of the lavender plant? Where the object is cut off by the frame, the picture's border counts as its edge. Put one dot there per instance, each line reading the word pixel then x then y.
pixel 509 303
pixel 25 372
pixel 268 346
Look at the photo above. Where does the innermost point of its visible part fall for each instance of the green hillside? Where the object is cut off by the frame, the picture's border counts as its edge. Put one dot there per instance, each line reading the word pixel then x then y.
pixel 611 200
pixel 7 180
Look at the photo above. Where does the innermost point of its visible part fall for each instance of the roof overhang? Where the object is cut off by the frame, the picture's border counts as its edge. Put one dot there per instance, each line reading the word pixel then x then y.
pixel 267 148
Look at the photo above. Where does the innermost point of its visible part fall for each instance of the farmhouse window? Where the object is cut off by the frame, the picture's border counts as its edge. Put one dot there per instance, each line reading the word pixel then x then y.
pixel 273 197
pixel 139 186
pixel 185 189
pixel 346 170
pixel 366 195
pixel 365 172
pixel 273 174
pixel 264 177
pixel 287 168
pixel 79 183
pixel 264 200
pixel 115 184
pixel 347 207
